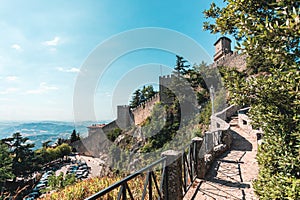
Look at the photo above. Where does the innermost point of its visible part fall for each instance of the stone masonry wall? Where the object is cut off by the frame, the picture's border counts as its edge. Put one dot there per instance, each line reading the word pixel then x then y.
pixel 144 110
pixel 233 60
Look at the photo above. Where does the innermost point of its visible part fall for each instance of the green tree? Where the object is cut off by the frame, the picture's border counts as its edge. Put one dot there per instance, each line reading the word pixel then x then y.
pixel 136 99
pixel 147 92
pixel 5 164
pixel 21 152
pixel 64 150
pixel 181 67
pixel 61 181
pixel 46 144
pixel 113 134
pixel 74 136
pixel 269 33
pixel 52 154
pixel 62 140
pixel 141 95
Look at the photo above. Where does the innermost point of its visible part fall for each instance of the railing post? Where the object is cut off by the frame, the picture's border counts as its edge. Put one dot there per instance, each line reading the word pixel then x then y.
pixel 172 180
pixel 200 162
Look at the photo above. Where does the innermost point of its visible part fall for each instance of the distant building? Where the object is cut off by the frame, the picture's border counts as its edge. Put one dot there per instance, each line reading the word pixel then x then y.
pixel 222 48
pixel 94 128
pixel 224 56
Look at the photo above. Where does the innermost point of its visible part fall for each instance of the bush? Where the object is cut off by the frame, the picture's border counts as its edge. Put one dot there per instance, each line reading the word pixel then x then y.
pixel 113 134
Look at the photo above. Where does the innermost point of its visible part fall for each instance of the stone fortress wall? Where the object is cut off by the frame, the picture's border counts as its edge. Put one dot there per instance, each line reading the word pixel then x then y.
pixel 232 60
pixel 144 110
pixel 128 117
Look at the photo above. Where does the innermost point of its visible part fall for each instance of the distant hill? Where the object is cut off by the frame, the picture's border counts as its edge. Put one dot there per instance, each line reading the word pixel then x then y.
pixel 39 132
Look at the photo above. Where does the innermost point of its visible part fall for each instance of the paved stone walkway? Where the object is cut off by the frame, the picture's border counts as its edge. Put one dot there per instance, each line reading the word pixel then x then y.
pixel 231 175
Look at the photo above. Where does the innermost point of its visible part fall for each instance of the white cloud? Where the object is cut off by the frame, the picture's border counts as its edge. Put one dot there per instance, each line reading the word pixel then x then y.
pixel 53 42
pixel 9 90
pixel 73 69
pixel 11 78
pixel 42 89
pixel 16 47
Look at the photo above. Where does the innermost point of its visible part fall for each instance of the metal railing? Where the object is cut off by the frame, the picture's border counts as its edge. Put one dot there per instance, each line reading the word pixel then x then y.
pixel 150 185
pixel 188 166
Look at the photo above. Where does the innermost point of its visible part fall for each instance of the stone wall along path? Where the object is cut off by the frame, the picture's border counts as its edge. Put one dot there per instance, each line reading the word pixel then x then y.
pixel 231 175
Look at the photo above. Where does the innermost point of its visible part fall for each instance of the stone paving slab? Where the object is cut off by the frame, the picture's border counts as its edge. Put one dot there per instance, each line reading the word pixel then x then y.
pixel 231 175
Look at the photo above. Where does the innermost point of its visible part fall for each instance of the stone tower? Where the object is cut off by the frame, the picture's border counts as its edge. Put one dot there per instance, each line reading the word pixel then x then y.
pixel 164 90
pixel 124 118
pixel 222 48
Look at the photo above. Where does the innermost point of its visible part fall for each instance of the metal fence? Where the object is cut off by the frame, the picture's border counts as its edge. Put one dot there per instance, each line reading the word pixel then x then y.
pixel 151 185
pixel 188 166
pixel 190 160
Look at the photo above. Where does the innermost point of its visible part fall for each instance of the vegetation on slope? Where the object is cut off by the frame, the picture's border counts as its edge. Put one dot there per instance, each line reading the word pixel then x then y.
pixel 89 187
pixel 18 159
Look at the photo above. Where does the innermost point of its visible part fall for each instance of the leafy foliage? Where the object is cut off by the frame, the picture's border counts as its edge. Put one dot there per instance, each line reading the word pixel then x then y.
pixel 61 181
pixel 165 120
pixel 5 164
pixel 268 32
pixel 74 136
pixel 49 154
pixel 142 95
pixel 161 127
pixel 113 134
pixel 181 67
pixel 89 187
pixel 21 153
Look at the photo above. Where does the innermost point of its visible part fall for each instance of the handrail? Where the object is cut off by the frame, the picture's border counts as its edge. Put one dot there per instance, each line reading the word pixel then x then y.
pixel 123 182
pixel 189 159
pixel 188 166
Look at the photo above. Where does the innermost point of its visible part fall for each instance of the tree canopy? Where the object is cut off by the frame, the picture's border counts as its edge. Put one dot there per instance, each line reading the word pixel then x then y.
pixel 22 153
pixel 268 32
pixel 141 95
pixel 74 136
pixel 6 163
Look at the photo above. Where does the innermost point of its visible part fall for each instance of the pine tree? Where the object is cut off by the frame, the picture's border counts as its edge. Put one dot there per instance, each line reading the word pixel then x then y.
pixel 22 154
pixel 74 136
pixel 136 99
pixel 5 164
pixel 181 67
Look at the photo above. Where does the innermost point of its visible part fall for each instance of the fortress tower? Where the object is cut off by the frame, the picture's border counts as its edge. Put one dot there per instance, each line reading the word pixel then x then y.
pixel 164 91
pixel 124 118
pixel 222 48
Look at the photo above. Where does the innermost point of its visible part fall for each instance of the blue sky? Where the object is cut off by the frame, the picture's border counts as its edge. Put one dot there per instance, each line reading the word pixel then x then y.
pixel 43 45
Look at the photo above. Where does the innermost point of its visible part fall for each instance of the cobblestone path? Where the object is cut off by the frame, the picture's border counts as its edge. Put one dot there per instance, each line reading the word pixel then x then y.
pixel 231 175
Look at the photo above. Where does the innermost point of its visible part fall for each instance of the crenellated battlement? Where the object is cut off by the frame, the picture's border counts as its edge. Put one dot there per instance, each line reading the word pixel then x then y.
pixel 223 57
pixel 147 102
pixel 141 112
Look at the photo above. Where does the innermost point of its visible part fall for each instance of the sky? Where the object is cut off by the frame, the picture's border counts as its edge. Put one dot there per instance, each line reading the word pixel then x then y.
pixel 45 46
